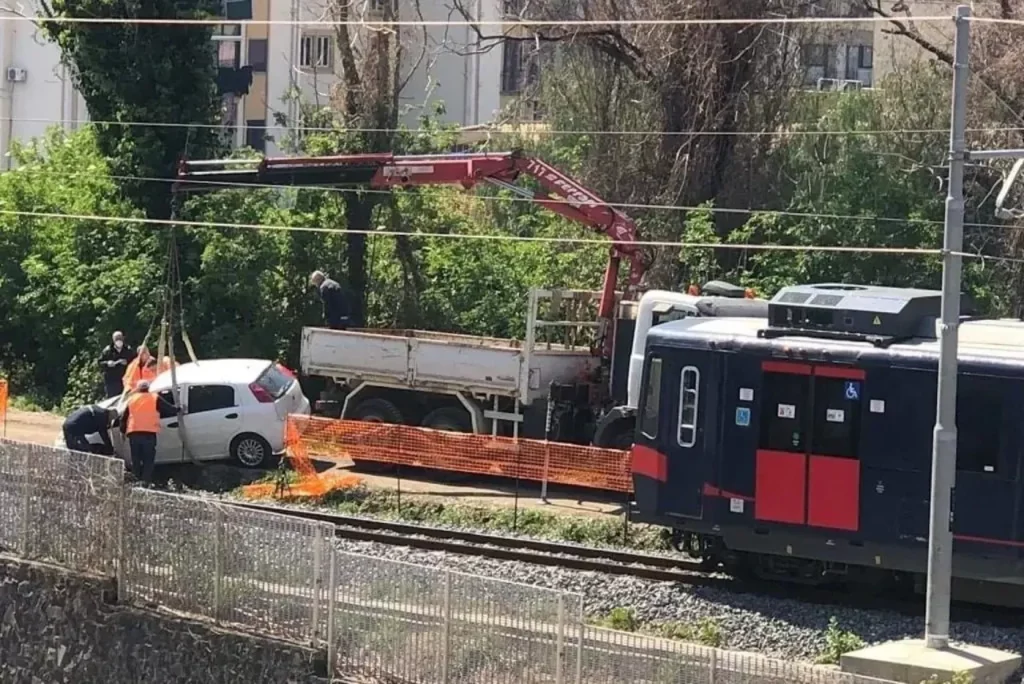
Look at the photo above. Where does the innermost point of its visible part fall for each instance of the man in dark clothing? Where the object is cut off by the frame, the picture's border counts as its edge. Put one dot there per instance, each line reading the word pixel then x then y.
pixel 89 420
pixel 335 301
pixel 113 361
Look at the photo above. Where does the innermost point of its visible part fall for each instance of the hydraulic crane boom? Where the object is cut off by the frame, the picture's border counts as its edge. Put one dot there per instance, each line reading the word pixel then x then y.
pixel 558 193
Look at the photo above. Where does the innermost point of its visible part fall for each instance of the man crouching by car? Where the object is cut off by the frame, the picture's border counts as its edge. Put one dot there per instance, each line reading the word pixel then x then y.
pixel 141 423
pixel 89 420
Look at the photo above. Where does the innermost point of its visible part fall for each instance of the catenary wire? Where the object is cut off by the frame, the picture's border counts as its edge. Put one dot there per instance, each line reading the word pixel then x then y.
pixel 398 23
pixel 921 251
pixel 225 185
pixel 524 131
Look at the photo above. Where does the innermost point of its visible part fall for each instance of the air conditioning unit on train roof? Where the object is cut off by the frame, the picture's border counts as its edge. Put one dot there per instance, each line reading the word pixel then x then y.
pixel 840 310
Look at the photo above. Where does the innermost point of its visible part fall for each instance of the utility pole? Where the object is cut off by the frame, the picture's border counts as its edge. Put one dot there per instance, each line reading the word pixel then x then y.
pixel 940 537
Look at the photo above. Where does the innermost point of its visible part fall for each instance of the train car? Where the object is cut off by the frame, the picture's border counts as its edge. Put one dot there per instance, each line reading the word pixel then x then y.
pixel 798 447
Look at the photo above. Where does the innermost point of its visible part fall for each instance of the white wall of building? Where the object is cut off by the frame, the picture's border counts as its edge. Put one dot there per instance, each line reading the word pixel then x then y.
pixel 453 69
pixel 440 65
pixel 46 96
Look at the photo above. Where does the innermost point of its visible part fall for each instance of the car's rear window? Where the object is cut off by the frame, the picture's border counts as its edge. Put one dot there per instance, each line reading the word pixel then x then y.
pixel 275 381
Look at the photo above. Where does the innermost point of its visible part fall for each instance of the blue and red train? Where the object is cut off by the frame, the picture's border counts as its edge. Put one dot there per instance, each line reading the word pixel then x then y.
pixel 798 447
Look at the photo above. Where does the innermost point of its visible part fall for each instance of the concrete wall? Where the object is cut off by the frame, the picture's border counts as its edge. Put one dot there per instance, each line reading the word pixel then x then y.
pixel 58 627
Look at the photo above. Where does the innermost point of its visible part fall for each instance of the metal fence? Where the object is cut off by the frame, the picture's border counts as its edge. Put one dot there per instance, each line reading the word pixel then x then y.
pixel 282 577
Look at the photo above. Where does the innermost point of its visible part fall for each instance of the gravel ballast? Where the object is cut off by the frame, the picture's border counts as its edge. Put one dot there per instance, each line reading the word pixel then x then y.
pixel 783 628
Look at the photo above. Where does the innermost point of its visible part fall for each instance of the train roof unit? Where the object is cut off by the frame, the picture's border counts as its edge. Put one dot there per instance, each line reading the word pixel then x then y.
pixel 840 320
pixel 880 315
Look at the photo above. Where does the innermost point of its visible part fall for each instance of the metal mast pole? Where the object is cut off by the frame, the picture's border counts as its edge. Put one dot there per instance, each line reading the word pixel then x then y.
pixel 940 538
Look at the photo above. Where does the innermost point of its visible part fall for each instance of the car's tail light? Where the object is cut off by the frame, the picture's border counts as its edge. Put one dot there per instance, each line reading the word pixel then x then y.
pixel 287 371
pixel 261 394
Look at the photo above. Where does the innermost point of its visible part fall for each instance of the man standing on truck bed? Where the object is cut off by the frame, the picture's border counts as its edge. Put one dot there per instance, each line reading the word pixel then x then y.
pixel 335 301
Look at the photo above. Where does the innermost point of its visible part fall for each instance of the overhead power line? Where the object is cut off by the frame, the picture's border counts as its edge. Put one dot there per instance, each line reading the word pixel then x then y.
pixel 525 132
pixel 224 185
pixel 498 23
pixel 921 251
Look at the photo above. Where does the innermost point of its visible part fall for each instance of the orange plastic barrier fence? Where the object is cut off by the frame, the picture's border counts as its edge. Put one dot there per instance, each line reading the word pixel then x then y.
pixel 309 482
pixel 3 405
pixel 554 462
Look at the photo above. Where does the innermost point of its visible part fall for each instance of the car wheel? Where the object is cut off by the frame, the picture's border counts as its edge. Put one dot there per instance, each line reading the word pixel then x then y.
pixel 251 450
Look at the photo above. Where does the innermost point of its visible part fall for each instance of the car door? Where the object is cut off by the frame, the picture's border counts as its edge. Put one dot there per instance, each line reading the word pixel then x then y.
pixel 212 421
pixel 168 442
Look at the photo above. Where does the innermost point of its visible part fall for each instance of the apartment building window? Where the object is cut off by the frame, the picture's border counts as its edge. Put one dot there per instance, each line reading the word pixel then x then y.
pixel 256 134
pixel 513 8
pixel 238 10
pixel 228 38
pixel 520 67
pixel 377 5
pixel 316 52
pixel 865 56
pixel 258 54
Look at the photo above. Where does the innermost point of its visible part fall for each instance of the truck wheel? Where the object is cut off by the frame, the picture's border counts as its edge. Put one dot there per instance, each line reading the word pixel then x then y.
pixel 377 410
pixel 448 418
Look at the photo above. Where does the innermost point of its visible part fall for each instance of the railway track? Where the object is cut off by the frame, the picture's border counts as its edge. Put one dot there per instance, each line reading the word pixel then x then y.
pixel 501 547
pixel 661 568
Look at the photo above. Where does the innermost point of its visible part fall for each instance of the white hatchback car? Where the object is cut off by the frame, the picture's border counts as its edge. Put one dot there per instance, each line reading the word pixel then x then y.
pixel 234 408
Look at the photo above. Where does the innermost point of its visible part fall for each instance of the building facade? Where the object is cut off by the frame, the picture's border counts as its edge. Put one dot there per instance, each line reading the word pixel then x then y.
pixel 267 72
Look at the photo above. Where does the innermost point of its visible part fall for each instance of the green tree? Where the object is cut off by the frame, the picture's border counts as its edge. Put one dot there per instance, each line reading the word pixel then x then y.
pixel 142 73
pixel 863 189
pixel 67 283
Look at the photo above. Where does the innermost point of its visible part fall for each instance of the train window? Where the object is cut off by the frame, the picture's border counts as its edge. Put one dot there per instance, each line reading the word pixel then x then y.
pixel 689 396
pixel 836 430
pixel 784 403
pixel 979 422
pixel 652 398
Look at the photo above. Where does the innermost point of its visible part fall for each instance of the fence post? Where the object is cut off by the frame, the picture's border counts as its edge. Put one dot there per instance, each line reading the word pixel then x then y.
pixel 218 563
pixel 582 627
pixel 318 543
pixel 332 600
pixel 713 667
pixel 120 576
pixel 560 640
pixel 26 504
pixel 446 627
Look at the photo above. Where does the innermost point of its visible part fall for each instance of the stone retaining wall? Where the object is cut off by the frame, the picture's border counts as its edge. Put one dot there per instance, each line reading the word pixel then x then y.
pixel 58 627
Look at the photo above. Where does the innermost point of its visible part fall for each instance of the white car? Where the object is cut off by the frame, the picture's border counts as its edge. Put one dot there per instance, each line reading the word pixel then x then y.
pixel 234 408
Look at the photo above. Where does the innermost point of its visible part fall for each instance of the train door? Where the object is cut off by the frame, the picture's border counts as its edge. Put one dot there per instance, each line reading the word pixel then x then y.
pixel 671 447
pixel 807 467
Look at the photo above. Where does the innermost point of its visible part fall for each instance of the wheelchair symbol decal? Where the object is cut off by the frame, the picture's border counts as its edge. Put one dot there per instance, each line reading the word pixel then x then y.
pixel 852 391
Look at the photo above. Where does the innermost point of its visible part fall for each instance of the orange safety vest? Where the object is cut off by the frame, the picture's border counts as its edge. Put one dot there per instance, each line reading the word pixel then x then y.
pixel 134 373
pixel 143 415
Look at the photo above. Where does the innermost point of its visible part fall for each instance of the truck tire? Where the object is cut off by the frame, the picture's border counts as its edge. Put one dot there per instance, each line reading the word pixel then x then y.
pixel 377 410
pixel 448 418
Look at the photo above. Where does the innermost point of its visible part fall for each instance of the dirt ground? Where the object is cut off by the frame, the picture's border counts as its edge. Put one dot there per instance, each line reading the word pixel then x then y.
pixel 25 426
pixel 43 428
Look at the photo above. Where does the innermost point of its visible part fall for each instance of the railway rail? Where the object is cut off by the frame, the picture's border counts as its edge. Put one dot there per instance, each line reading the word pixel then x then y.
pixel 501 547
pixel 660 568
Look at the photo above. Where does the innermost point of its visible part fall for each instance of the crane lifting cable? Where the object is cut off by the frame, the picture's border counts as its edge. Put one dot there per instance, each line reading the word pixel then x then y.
pixel 167 337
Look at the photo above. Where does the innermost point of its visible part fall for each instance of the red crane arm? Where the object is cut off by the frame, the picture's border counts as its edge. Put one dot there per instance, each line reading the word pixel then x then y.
pixel 559 193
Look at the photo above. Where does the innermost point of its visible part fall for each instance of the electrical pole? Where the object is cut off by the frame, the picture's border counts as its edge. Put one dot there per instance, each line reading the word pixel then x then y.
pixel 940 537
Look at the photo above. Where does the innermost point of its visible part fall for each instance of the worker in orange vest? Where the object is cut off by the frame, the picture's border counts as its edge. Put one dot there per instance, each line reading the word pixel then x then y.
pixel 142 425
pixel 142 368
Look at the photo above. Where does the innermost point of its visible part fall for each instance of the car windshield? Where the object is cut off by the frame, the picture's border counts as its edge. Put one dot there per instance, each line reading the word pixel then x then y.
pixel 274 381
